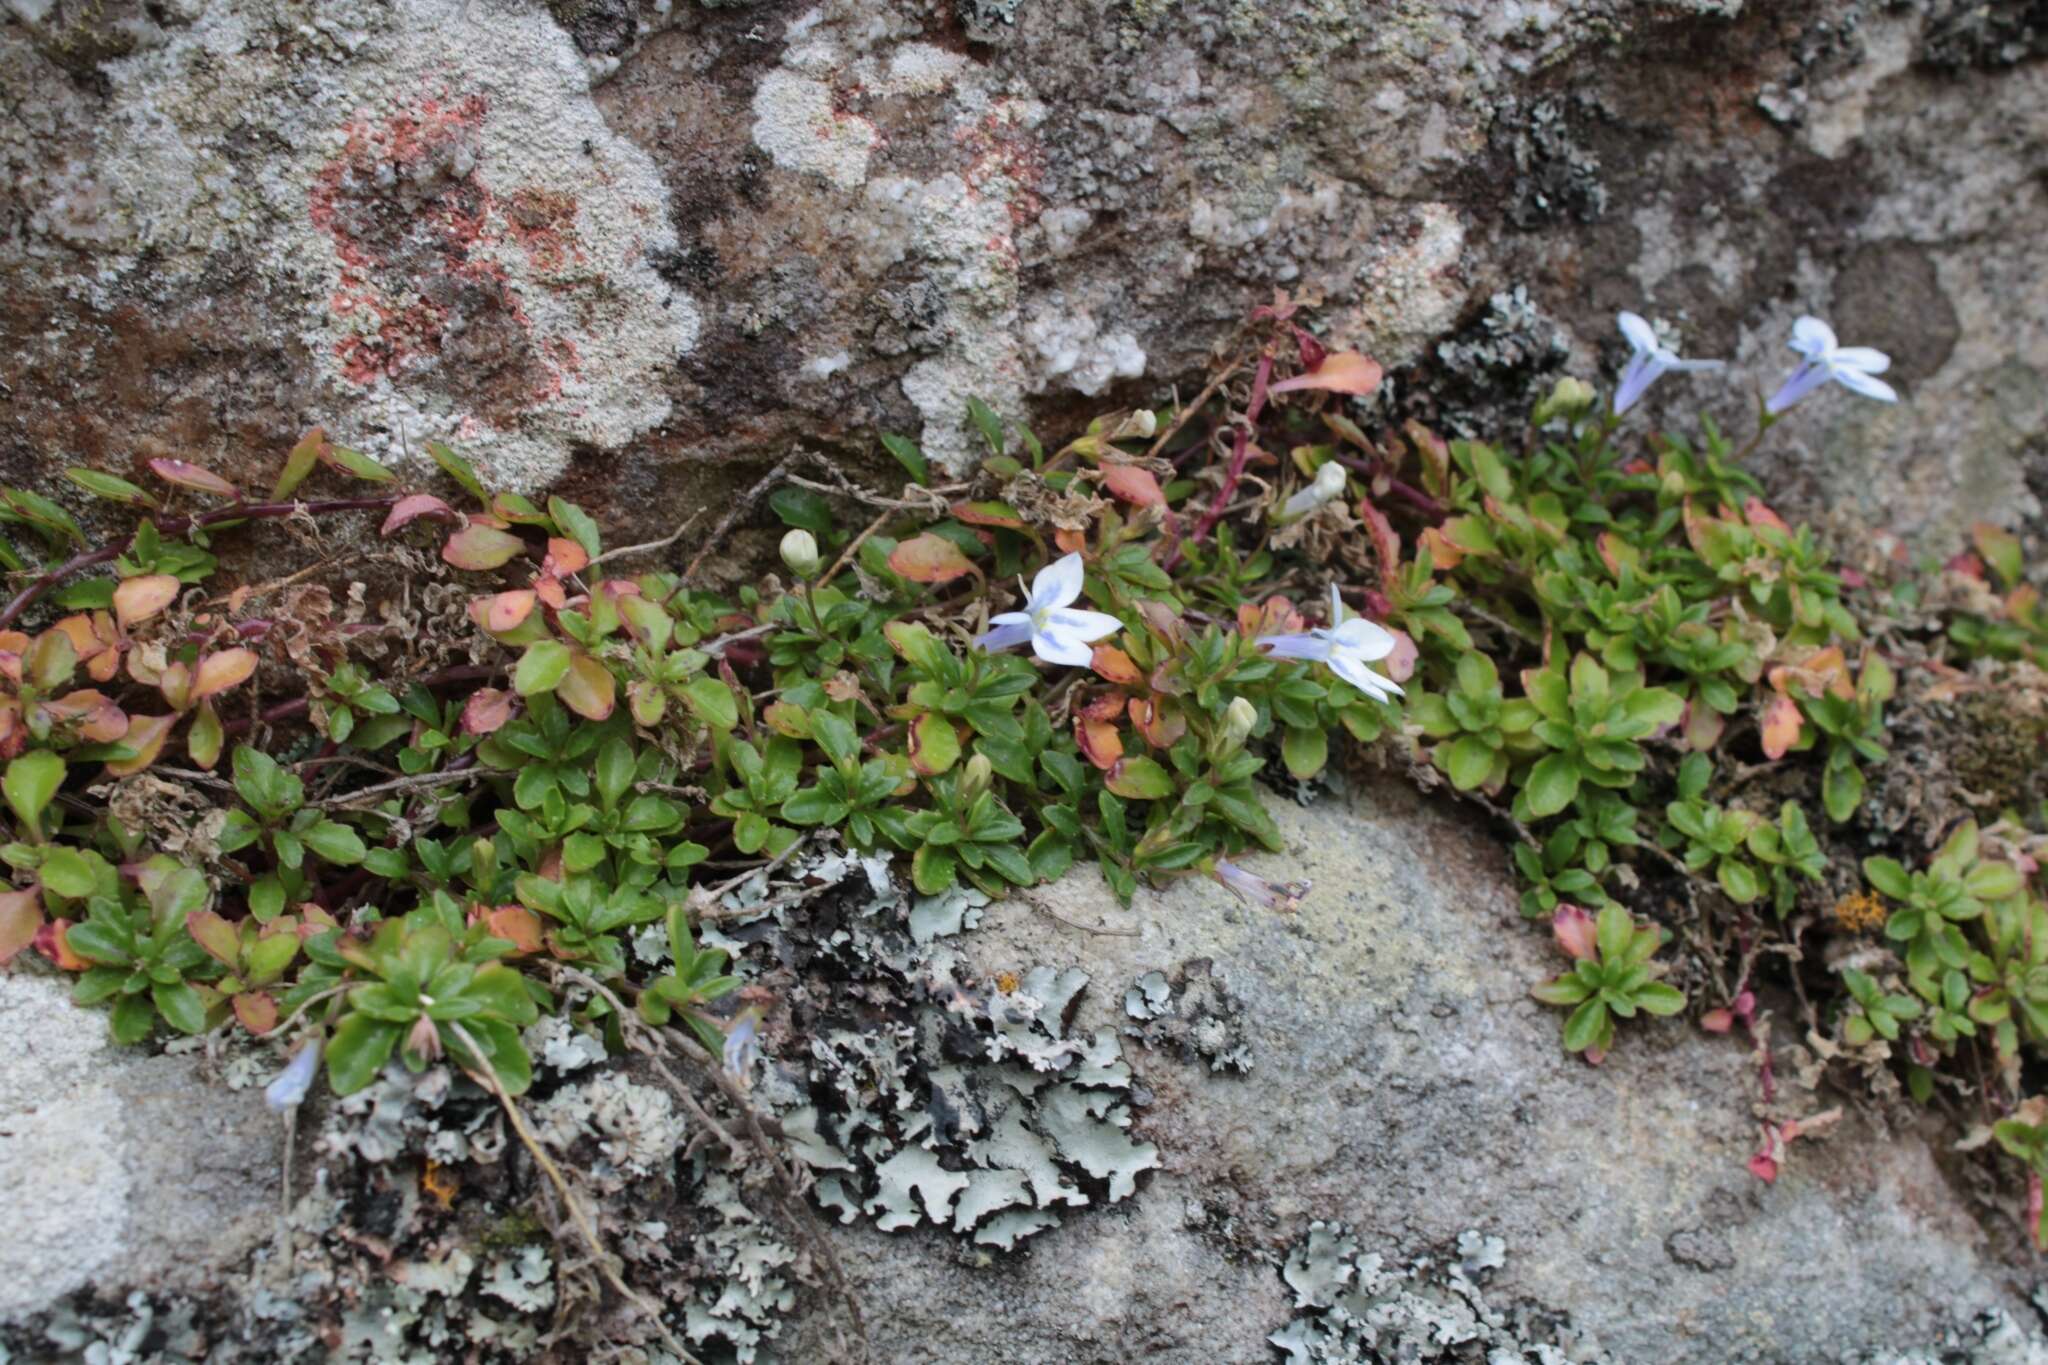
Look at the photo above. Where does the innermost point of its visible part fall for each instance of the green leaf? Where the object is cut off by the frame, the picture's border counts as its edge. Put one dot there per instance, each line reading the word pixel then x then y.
pixel 335 843
pixel 1305 751
pixel 576 524
pixel 615 770
pixel 711 701
pixel 1139 778
pixel 131 1018
pixel 811 806
pixel 909 456
pixel 1561 990
pixel 109 487
pixel 986 421
pixel 544 664
pixel 1738 879
pixel 360 1047
pixel 1841 790
pixel 1551 784
pixel 837 737
pixel 460 470
pixel 1467 761
pixel 932 869
pixel 1888 877
pixel 180 1006
pixel 1658 998
pixel 30 783
pixel 356 463
pixel 66 872
pixel 802 508
pixel 1586 1026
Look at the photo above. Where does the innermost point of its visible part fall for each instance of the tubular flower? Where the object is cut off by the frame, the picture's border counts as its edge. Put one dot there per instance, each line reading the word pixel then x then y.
pixel 1253 889
pixel 742 1046
pixel 1346 646
pixel 289 1090
pixel 1855 368
pixel 1058 633
pixel 1651 359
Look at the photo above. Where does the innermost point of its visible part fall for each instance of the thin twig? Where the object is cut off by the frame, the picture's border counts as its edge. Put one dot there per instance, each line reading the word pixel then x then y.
pixel 848 553
pixel 671 538
pixel 419 782
pixel 741 508
pixel 1042 908
pixel 1181 418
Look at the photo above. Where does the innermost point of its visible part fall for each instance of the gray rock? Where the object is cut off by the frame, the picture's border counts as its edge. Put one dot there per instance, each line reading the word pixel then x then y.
pixel 1408 1088
pixel 118 1168
pixel 605 244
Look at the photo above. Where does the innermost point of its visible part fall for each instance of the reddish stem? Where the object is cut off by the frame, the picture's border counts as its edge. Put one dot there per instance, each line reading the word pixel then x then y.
pixel 178 526
pixel 1240 456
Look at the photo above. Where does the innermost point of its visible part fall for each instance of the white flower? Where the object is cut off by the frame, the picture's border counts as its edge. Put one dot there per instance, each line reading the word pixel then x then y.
pixel 1346 646
pixel 1058 634
pixel 1253 889
pixel 742 1046
pixel 1855 368
pixel 1651 359
pixel 289 1090
pixel 1328 483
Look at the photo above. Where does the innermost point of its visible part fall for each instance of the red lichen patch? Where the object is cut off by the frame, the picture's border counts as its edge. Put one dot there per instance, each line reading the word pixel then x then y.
pixel 1005 160
pixel 543 223
pixel 415 228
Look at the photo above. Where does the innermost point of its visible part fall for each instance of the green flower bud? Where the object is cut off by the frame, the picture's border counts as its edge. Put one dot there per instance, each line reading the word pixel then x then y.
pixel 975 776
pixel 1570 398
pixel 1238 721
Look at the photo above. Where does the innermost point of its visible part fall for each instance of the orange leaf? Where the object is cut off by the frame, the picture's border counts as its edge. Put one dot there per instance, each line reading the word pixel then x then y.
pixel 103 721
pixel 1781 726
pixel 515 924
pixel 503 611
pixel 1340 372
pixel 1100 743
pixel 549 590
pixel 1117 666
pixel 51 943
pixel 486 710
pixel 1159 720
pixel 191 476
pixel 930 558
pixel 988 514
pixel 588 689
pixel 564 557
pixel 138 599
pixel 1757 514
pixel 412 507
pixel 21 916
pixel 146 736
pixel 1133 485
pixel 216 935
pixel 257 1011
pixel 479 548
pixel 1070 541
pixel 219 672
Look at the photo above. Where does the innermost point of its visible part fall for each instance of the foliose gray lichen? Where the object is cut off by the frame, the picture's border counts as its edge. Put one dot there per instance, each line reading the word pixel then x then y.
pixel 1195 1016
pixel 1361 1306
pixel 1556 176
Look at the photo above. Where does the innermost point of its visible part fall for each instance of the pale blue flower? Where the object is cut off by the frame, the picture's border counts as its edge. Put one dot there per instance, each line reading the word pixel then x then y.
pixel 1346 646
pixel 1058 634
pixel 1855 368
pixel 1650 360
pixel 1253 889
pixel 289 1090
pixel 742 1046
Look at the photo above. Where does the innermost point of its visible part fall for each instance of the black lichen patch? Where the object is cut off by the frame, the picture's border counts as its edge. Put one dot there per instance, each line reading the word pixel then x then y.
pixel 1194 1016
pixel 1556 175
pixel 1975 35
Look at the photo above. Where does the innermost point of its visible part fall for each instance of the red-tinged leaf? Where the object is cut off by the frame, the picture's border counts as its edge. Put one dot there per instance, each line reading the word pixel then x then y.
pixel 2035 1223
pixel 549 590
pixel 1341 372
pixel 1757 514
pixel 1702 726
pixel 1781 725
pixel 479 548
pixel 989 513
pixel 588 688
pixel 1436 458
pixel 175 682
pixel 191 476
pixel 146 736
pixel 503 611
pixel 101 720
pixel 1133 485
pixel 1112 663
pixel 487 709
pixel 218 672
pixel 299 464
pixel 138 599
pixel 934 744
pixel 1159 720
pixel 1616 553
pixel 217 936
pixel 1070 541
pixel 1576 932
pixel 21 918
pixel 564 557
pixel 1101 743
pixel 2001 550
pixel 1400 665
pixel 648 703
pixel 1386 544
pixel 412 507
pixel 1594 1055
pixel 1313 352
pixel 1718 1021
pixel 517 925
pixel 257 1011
pixel 50 942
pixel 930 558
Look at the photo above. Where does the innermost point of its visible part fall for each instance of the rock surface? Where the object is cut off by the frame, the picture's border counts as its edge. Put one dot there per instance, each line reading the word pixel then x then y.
pixel 1402 1082
pixel 119 1169
pixel 611 243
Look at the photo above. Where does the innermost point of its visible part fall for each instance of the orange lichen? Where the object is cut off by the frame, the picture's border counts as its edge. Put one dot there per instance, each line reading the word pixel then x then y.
pixel 1859 912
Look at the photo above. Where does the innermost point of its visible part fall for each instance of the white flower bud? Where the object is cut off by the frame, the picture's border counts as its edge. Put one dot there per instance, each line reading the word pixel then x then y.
pixel 800 553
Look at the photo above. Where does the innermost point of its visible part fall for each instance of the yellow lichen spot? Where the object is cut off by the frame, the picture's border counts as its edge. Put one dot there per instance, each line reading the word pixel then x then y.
pixel 1007 982
pixel 436 1181
pixel 1859 912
